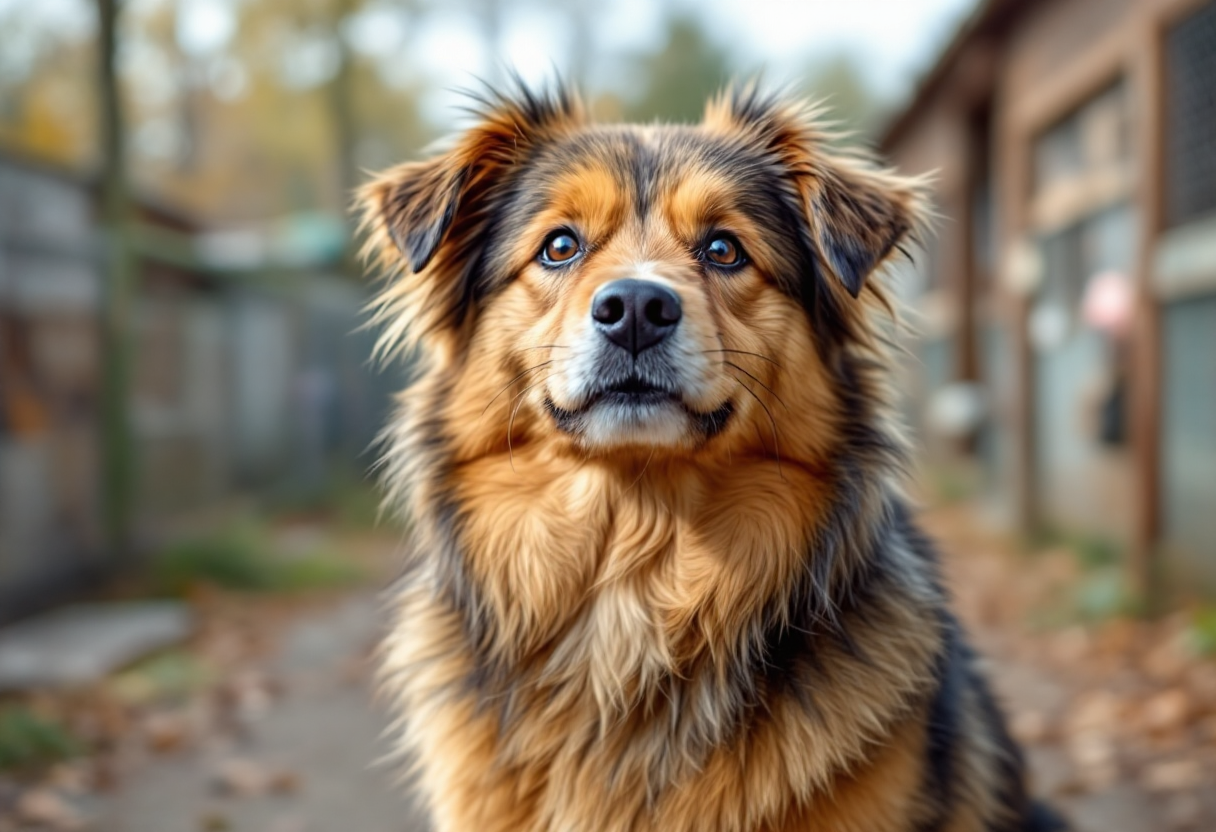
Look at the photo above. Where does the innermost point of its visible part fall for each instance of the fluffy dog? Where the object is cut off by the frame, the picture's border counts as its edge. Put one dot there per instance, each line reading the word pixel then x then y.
pixel 662 576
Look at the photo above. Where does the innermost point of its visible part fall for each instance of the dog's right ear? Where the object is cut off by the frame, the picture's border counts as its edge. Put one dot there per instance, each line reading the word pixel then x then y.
pixel 416 203
pixel 410 213
pixel 427 223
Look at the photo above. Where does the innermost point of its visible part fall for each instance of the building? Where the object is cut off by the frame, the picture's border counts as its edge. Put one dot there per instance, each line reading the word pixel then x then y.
pixel 1072 281
pixel 247 375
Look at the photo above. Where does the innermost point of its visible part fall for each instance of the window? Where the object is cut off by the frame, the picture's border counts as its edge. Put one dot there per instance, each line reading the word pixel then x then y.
pixel 1083 163
pixel 1190 117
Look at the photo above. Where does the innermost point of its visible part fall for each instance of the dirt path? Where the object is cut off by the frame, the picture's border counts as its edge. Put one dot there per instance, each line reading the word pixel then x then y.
pixel 1118 716
pixel 320 739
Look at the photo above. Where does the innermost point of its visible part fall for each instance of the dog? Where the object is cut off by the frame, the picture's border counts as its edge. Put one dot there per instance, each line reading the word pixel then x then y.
pixel 662 575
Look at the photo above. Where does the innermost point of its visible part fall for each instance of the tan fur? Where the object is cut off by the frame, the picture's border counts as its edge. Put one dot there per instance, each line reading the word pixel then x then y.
pixel 611 582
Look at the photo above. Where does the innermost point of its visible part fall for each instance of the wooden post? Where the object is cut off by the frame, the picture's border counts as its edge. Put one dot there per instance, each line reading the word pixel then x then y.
pixel 1146 391
pixel 117 445
pixel 1013 182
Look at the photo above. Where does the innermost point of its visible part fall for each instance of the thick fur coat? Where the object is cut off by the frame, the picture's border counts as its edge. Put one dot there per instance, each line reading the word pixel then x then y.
pixel 661 572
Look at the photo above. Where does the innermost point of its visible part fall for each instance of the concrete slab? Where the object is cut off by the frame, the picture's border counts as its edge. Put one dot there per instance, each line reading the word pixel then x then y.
pixel 83 643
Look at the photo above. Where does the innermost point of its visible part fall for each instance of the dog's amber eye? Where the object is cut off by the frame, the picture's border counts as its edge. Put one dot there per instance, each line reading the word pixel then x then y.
pixel 561 247
pixel 724 250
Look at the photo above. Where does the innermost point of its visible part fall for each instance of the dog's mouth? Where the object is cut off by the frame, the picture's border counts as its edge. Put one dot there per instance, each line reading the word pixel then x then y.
pixel 635 399
pixel 635 392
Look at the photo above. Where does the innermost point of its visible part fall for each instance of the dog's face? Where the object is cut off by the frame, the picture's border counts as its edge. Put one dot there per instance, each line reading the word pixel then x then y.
pixel 654 288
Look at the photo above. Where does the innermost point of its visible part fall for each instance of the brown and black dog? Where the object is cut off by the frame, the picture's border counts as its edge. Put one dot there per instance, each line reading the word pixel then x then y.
pixel 662 575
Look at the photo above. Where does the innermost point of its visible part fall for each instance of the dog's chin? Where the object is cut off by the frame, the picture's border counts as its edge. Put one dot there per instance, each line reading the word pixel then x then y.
pixel 647 418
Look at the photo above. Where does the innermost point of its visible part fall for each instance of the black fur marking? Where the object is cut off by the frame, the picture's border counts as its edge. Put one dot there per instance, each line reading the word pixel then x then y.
pixel 1042 818
pixel 851 262
pixel 1011 764
pixel 943 727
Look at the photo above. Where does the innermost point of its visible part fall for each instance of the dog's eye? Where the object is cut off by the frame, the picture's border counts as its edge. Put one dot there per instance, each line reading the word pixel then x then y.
pixel 724 250
pixel 561 247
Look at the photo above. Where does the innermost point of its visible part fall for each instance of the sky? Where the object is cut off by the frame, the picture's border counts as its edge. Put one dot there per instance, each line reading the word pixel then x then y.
pixel 895 40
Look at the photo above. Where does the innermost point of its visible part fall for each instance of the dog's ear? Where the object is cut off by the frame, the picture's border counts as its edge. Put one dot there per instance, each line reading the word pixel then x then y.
pixel 416 203
pixel 856 214
pixel 428 223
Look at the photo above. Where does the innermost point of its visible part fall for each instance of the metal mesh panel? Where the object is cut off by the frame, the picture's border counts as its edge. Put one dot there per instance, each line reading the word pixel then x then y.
pixel 1190 117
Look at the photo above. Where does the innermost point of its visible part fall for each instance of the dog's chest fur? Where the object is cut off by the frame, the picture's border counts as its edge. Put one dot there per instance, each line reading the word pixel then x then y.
pixel 629 665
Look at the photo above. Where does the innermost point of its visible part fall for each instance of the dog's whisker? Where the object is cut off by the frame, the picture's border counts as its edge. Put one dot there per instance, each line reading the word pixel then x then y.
pixel 746 352
pixel 758 381
pixel 508 385
pixel 772 421
pixel 544 347
pixel 519 400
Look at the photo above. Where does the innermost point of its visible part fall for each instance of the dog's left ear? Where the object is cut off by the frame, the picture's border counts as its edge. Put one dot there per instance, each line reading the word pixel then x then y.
pixel 858 216
pixel 856 213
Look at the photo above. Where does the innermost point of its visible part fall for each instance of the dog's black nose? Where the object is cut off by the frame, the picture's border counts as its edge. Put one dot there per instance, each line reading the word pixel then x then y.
pixel 635 314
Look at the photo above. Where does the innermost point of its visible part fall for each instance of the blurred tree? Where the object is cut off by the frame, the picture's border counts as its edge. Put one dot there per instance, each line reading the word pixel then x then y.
pixel 677 80
pixel 48 94
pixel 282 111
pixel 277 116
pixel 841 84
pixel 118 463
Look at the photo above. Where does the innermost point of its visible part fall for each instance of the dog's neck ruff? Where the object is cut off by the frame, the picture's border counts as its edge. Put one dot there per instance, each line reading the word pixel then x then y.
pixel 660 622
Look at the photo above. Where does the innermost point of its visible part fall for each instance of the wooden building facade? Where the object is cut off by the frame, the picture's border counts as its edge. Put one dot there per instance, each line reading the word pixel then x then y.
pixel 1072 281
pixel 244 380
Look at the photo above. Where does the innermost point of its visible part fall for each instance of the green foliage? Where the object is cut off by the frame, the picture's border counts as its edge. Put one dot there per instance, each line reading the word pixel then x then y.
pixel 242 557
pixel 952 484
pixel 1101 590
pixel 357 506
pixel 171 675
pixel 232 558
pixel 352 503
pixel 317 570
pixel 30 741
pixel 1093 552
pixel 1096 552
pixel 1202 631
pixel 1102 595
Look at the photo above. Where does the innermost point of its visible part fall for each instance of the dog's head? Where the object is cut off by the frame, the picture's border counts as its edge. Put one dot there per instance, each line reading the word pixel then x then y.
pixel 655 288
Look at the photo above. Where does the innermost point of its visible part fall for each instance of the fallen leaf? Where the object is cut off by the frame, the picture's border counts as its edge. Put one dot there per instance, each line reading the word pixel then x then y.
pixel 42 807
pixel 284 782
pixel 241 777
pixel 165 732
pixel 1031 727
pixel 1166 711
pixel 1098 711
pixel 1172 775
pixel 214 822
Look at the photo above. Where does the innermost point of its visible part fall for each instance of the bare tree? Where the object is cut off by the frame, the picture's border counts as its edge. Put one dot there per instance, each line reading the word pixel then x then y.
pixel 117 445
